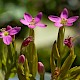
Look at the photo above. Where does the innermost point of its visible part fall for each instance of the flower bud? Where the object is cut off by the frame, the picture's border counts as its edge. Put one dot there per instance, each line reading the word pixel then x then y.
pixel 21 58
pixel 68 42
pixel 40 68
pixel 27 41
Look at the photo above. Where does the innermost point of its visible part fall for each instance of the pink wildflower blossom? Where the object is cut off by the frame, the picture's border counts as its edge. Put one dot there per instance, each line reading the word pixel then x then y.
pixel 7 33
pixel 63 20
pixel 32 22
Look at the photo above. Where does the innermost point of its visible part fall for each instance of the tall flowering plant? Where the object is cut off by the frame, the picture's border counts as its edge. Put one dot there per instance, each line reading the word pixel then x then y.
pixel 59 70
pixel 26 64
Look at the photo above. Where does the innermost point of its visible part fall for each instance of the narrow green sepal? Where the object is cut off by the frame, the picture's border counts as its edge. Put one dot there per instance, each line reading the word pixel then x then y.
pixel 52 60
pixel 55 51
pixel 31 33
pixel 65 51
pixel 60 40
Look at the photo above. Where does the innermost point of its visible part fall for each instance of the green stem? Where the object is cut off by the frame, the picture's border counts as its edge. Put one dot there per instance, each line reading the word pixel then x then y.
pixel 59 63
pixel 41 76
pixel 7 75
pixel 72 50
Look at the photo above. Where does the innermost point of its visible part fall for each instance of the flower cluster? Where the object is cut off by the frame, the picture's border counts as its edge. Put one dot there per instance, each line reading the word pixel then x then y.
pixel 27 59
pixel 63 20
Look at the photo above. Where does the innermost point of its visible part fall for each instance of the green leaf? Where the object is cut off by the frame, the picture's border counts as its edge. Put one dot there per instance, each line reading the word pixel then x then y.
pixel 13 71
pixel 52 61
pixel 12 75
pixel 3 55
pixel 74 70
pixel 66 65
pixel 1 75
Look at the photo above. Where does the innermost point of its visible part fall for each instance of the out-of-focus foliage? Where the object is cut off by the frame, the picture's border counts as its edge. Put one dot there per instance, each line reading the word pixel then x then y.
pixel 1 76
pixel 11 10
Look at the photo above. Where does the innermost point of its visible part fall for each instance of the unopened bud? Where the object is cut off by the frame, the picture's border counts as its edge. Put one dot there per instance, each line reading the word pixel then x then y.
pixel 21 58
pixel 41 69
pixel 68 42
pixel 27 41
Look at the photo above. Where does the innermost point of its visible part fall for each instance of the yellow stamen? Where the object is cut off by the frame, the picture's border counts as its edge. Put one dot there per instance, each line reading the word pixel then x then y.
pixel 63 21
pixel 32 22
pixel 6 33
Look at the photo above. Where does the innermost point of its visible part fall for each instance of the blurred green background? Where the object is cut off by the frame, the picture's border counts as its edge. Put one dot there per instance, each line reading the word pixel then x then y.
pixel 12 11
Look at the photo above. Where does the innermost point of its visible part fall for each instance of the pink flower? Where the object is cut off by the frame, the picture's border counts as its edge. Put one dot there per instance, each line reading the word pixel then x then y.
pixel 7 33
pixel 63 20
pixel 32 22
pixel 40 68
pixel 21 58
pixel 68 42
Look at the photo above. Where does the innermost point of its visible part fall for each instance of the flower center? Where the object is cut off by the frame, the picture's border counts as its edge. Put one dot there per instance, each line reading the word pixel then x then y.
pixel 6 33
pixel 63 21
pixel 32 22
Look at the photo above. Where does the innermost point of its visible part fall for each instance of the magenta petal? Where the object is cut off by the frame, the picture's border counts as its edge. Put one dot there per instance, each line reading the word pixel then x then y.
pixel 24 22
pixel 57 24
pixel 54 18
pixel 64 13
pixel 1 34
pixel 69 24
pixel 27 17
pixel 14 30
pixel 8 27
pixel 38 17
pixel 31 26
pixel 7 39
pixel 41 25
pixel 72 19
